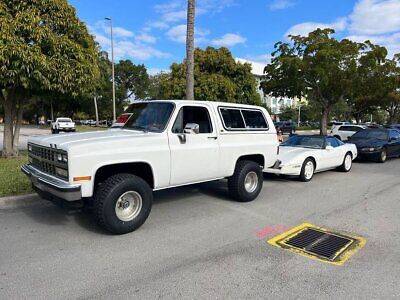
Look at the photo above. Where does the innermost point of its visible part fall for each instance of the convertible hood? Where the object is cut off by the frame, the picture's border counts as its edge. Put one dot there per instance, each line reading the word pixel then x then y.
pixel 287 153
pixel 64 141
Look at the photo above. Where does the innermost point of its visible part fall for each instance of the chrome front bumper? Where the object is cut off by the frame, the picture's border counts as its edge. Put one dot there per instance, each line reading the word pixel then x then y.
pixel 54 186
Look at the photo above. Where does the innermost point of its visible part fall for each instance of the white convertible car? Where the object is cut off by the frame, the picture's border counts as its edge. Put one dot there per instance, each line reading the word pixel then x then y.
pixel 303 155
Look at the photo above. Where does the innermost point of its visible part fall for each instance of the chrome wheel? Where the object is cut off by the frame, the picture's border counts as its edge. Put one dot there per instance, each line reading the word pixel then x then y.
pixel 347 162
pixel 309 170
pixel 251 182
pixel 383 155
pixel 128 206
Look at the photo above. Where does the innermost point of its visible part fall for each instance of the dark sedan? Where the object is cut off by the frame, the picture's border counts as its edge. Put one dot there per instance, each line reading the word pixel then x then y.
pixel 377 144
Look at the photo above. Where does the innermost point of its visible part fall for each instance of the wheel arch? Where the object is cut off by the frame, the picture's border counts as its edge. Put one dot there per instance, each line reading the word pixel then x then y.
pixel 257 158
pixel 141 169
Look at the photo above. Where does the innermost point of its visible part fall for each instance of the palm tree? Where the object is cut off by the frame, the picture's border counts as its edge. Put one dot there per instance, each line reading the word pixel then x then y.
pixel 190 50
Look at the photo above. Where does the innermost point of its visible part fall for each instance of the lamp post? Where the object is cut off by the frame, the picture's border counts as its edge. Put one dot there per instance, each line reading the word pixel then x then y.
pixel 112 68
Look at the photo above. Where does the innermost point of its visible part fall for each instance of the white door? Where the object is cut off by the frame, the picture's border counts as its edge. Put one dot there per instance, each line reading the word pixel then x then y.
pixel 194 157
pixel 335 155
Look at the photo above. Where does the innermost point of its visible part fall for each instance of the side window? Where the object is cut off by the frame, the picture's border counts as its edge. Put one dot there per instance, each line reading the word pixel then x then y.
pixel 254 119
pixel 331 141
pixel 193 114
pixel 394 134
pixel 344 128
pixel 232 118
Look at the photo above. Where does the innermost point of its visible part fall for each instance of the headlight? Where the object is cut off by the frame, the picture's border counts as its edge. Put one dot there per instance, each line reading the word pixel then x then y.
pixel 62 158
pixel 29 147
pixel 61 172
pixel 369 149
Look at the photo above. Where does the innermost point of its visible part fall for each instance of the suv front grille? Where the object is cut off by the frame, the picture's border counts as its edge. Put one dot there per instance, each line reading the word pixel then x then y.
pixel 45 159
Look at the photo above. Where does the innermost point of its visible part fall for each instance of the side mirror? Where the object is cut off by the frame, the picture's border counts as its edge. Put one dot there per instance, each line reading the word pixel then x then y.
pixel 191 128
pixel 329 148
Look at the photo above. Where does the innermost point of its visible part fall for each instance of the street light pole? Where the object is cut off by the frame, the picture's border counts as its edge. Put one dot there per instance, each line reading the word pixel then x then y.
pixel 112 69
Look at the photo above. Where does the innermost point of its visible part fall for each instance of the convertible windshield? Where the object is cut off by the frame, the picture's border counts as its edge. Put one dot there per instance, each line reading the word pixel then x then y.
pixel 302 141
pixel 149 116
pixel 371 134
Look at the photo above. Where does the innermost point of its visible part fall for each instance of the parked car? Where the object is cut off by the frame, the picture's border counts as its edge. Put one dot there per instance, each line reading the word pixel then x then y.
pixel 377 144
pixel 393 126
pixel 62 124
pixel 304 155
pixel 343 132
pixel 121 120
pixel 164 144
pixel 287 126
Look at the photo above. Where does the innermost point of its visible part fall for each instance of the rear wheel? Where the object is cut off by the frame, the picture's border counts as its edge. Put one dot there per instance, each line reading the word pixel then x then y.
pixel 307 170
pixel 347 163
pixel 122 203
pixel 382 156
pixel 246 183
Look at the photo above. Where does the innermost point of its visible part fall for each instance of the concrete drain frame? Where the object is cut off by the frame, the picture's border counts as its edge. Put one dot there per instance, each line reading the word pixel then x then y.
pixel 319 243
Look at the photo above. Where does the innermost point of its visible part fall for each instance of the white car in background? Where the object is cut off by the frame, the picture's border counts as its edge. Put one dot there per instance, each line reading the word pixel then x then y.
pixel 63 124
pixel 304 155
pixel 343 132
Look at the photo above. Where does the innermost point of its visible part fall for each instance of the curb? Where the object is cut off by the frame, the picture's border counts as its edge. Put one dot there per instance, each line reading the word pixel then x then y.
pixel 10 202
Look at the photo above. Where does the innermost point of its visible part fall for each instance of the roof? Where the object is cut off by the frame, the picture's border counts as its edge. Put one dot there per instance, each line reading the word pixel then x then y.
pixel 209 102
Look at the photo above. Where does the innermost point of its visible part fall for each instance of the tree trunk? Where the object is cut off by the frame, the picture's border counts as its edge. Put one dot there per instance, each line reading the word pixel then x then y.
pixel 324 121
pixel 13 109
pixel 190 50
pixel 17 127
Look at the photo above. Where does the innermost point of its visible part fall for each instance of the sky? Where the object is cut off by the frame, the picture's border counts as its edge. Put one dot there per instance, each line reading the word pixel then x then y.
pixel 153 32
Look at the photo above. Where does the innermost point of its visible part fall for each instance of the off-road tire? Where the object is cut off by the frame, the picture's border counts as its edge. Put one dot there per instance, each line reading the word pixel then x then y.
pixel 302 175
pixel 236 184
pixel 107 195
pixel 342 167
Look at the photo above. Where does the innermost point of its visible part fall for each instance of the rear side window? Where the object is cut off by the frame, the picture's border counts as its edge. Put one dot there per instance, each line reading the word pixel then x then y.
pixel 232 118
pixel 254 119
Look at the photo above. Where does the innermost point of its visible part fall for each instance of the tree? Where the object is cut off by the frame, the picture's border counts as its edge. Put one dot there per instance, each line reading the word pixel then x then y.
pixel 218 77
pixel 43 47
pixel 190 50
pixel 317 65
pixel 132 80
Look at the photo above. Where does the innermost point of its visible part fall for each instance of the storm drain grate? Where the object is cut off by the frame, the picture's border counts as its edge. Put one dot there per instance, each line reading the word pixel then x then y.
pixel 319 243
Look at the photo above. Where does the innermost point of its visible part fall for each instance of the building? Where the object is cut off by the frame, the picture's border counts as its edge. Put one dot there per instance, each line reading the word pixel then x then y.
pixel 276 104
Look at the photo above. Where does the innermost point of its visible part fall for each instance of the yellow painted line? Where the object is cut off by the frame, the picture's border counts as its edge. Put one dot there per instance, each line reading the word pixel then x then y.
pixel 342 255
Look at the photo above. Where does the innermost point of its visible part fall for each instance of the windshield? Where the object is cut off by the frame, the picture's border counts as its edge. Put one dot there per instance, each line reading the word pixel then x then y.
pixel 149 116
pixel 64 120
pixel 371 134
pixel 315 142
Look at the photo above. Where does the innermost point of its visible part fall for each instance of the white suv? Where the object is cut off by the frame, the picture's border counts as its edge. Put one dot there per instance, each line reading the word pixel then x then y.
pixel 164 144
pixel 343 132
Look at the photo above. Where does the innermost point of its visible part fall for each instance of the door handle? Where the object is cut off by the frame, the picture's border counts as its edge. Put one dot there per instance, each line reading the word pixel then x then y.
pixel 213 137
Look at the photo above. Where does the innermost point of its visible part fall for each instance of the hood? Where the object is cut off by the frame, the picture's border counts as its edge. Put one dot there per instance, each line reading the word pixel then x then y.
pixel 287 153
pixel 361 143
pixel 64 141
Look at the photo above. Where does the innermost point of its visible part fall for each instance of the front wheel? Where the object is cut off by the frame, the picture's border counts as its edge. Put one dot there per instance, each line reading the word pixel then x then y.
pixel 347 163
pixel 382 156
pixel 307 170
pixel 122 203
pixel 246 183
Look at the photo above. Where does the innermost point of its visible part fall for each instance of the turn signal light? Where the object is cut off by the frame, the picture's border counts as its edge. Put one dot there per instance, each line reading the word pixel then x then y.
pixel 82 178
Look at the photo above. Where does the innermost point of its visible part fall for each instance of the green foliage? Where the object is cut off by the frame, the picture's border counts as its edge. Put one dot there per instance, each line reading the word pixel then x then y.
pixel 12 180
pixel 44 46
pixel 317 65
pixel 218 77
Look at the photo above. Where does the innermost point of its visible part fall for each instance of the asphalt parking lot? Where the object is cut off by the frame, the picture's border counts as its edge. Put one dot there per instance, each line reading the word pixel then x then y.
pixel 197 243
pixel 25 133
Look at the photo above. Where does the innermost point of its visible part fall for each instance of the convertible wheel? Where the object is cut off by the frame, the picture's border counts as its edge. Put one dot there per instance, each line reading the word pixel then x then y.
pixel 347 163
pixel 307 170
pixel 382 156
